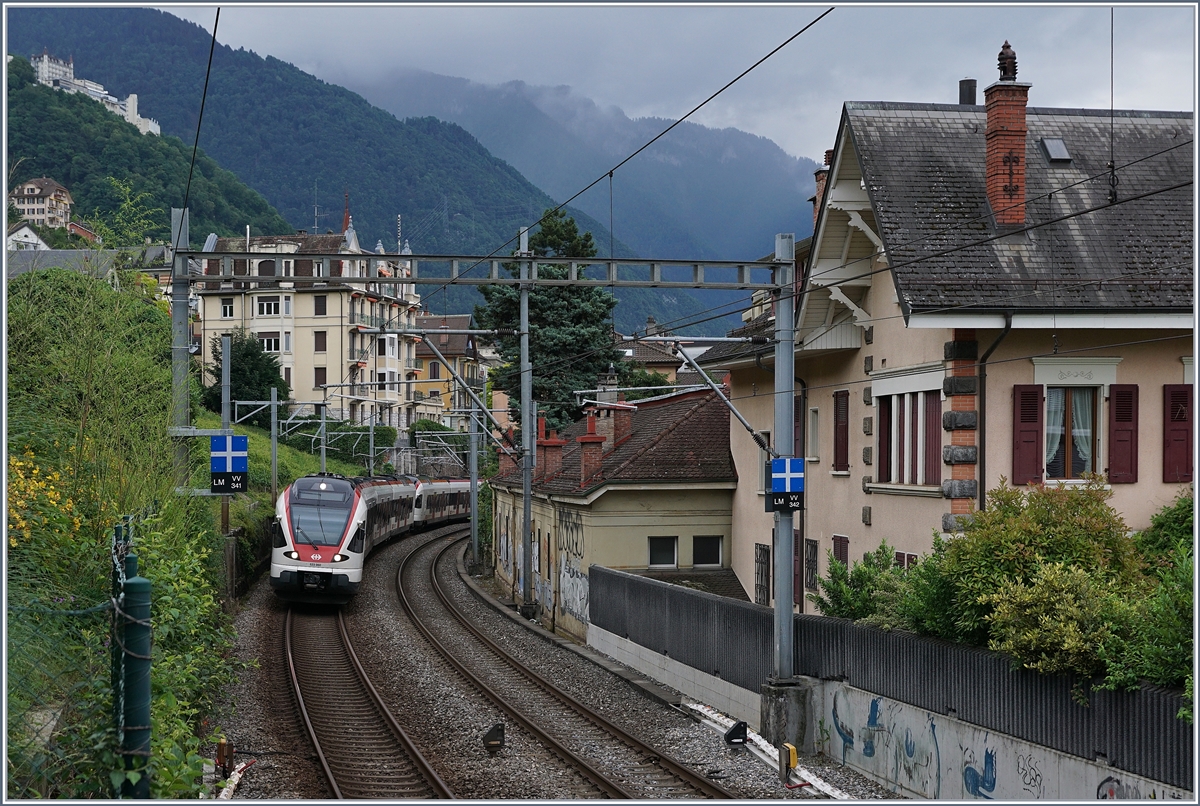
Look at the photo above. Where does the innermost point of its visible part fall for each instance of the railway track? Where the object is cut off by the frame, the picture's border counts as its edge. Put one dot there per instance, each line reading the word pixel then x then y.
pixel 618 764
pixel 363 751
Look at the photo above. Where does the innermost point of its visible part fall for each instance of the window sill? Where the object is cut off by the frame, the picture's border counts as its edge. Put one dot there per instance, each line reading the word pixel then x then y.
pixel 813 460
pixel 839 473
pixel 916 490
pixel 1072 483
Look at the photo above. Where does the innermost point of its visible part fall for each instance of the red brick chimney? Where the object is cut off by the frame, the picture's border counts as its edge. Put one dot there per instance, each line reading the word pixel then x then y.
pixel 508 457
pixel 540 446
pixel 622 422
pixel 552 455
pixel 822 177
pixel 1005 103
pixel 591 449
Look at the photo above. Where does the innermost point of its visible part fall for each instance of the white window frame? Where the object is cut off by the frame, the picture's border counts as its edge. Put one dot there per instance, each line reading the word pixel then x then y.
pixel 287 341
pixel 269 343
pixel 287 306
pixel 267 308
pixel 675 551
pixel 225 307
pixel 720 552
pixel 1098 372
pixel 813 435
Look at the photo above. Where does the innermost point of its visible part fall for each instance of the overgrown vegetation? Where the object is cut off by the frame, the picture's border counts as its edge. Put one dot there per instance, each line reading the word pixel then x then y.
pixel 252 373
pixel 1049 576
pixel 89 398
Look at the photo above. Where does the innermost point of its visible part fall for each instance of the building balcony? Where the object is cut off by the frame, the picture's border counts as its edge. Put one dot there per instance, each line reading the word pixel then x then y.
pixel 367 320
pixel 360 354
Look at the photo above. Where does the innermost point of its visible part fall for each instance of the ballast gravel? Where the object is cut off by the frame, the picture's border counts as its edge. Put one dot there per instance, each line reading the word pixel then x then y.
pixel 447 719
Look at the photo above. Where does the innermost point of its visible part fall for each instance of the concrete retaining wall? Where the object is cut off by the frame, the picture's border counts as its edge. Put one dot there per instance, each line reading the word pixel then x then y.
pixel 913 751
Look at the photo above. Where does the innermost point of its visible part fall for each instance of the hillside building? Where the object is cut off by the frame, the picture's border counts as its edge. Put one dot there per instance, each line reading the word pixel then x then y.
pixel 60 74
pixel 436 382
pixel 43 202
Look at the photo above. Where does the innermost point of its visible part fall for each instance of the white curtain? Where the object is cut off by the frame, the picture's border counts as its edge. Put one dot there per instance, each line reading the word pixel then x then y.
pixel 1056 402
pixel 1082 403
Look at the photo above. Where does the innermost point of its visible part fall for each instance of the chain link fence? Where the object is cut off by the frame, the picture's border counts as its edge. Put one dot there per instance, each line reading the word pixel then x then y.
pixel 68 664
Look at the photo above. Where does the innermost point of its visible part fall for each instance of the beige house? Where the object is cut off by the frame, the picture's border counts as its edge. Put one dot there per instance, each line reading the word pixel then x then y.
pixel 643 487
pixel 437 385
pixel 315 324
pixel 976 310
pixel 43 202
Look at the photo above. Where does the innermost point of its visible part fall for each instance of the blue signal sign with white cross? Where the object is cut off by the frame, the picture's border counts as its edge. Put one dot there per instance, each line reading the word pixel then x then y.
pixel 229 464
pixel 787 475
pixel 230 454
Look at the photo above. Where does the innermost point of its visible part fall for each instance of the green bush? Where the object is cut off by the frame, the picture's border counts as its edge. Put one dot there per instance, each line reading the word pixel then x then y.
pixel 1024 528
pixel 855 593
pixel 1168 527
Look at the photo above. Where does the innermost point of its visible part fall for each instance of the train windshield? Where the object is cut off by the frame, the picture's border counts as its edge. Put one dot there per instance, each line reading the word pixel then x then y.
pixel 320 510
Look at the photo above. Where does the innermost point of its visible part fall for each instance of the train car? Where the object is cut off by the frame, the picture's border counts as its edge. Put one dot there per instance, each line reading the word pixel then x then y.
pixel 327 525
pixel 442 501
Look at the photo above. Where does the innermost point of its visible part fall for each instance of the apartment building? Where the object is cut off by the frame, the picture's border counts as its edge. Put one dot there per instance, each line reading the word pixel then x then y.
pixel 43 202
pixel 316 325
pixel 462 354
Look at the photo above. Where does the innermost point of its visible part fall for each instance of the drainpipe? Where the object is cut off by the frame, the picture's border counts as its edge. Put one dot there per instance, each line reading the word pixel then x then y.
pixel 983 410
pixel 802 515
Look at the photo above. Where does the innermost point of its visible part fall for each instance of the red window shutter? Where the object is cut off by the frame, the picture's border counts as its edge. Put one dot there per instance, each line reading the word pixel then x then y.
pixel 1029 452
pixel 933 438
pixel 841 549
pixel 841 430
pixel 798 568
pixel 1122 433
pixel 884 464
pixel 1177 432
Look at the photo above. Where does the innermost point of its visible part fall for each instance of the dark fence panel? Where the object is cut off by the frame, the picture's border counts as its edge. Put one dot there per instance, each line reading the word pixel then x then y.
pixel 1136 731
pixel 728 639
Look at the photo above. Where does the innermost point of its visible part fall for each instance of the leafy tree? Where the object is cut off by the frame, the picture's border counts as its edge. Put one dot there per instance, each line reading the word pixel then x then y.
pixel 570 339
pixel 252 373
pixel 132 222
pixel 14 215
pixel 631 374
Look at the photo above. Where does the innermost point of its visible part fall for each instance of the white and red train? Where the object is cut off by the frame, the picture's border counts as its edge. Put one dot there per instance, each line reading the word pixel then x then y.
pixel 327 525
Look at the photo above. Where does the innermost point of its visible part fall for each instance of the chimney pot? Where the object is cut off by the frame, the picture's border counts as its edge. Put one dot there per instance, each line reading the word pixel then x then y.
pixel 591 451
pixel 966 92
pixel 829 156
pixel 1007 63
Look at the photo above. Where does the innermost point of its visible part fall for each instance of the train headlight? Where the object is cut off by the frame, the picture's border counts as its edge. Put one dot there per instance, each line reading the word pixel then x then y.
pixel 339 558
pixel 291 555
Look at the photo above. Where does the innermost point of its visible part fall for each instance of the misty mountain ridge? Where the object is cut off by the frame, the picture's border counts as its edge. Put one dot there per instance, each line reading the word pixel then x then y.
pixel 698 192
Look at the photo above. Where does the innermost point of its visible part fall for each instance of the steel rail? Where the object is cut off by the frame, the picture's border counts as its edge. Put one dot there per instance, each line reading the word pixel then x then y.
pixel 595 776
pixel 437 787
pixel 675 767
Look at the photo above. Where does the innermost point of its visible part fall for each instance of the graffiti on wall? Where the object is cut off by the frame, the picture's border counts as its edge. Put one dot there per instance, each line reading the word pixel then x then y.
pixel 573 591
pixel 569 533
pixel 1115 789
pixel 894 742
pixel 504 544
pixel 979 780
pixel 1031 775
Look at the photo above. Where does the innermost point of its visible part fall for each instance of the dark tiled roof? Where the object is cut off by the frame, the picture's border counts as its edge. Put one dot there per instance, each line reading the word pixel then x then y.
pixel 675 438
pixel 687 377
pixel 45 187
pixel 307 244
pixel 923 165
pixel 721 581
pixel 648 352
pixel 456 343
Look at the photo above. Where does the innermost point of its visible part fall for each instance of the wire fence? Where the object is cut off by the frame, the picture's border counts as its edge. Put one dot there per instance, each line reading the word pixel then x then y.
pixel 68 666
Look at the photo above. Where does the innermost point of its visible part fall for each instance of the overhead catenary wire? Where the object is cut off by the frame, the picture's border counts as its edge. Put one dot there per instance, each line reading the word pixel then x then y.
pixel 651 142
pixel 200 119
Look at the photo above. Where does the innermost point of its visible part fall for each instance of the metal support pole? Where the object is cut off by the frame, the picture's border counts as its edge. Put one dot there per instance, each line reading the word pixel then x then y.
pixel 136 746
pixel 226 360
pixel 527 434
pixel 180 358
pixel 371 449
pixel 324 406
pixel 274 444
pixel 473 469
pixel 785 382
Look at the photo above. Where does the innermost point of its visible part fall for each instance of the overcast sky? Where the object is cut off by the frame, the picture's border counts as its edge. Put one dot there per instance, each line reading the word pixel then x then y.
pixel 662 61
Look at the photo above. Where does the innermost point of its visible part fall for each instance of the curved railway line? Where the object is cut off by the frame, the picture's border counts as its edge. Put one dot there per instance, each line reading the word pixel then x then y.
pixel 362 750
pixel 617 764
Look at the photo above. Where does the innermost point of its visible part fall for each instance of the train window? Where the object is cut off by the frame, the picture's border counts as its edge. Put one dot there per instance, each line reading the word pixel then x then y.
pixel 418 503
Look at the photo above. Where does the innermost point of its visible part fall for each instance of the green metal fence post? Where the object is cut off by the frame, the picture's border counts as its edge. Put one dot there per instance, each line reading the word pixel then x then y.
pixel 136 745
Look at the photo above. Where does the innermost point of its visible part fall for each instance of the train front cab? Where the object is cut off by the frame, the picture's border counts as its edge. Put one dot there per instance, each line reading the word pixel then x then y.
pixel 310 566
